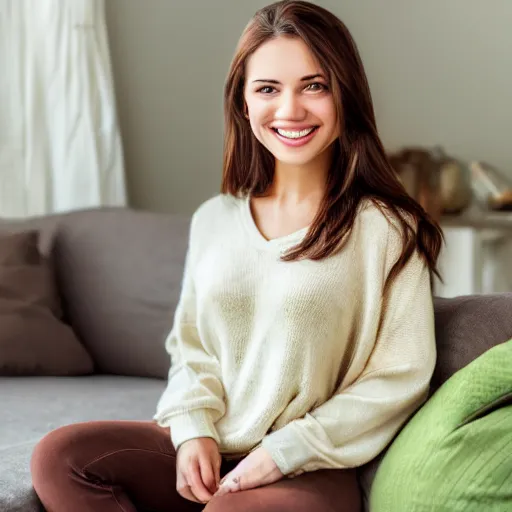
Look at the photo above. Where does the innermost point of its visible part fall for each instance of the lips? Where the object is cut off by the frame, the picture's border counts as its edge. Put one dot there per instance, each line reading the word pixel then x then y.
pixel 301 141
pixel 297 128
pixel 295 134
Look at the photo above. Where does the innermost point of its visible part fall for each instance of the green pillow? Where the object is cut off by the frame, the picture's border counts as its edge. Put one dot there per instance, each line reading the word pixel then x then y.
pixel 455 454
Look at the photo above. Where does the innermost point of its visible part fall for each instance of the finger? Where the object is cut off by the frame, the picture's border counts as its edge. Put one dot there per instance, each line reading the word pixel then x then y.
pixel 223 489
pixel 196 484
pixel 225 477
pixel 184 489
pixel 208 475
pixel 186 492
pixel 217 465
pixel 231 483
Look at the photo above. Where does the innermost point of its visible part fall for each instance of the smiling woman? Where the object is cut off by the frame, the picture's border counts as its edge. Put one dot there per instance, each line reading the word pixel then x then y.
pixel 304 335
pixel 294 110
pixel 297 101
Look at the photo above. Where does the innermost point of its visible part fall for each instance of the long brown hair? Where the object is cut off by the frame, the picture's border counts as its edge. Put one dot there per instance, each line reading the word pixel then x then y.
pixel 360 168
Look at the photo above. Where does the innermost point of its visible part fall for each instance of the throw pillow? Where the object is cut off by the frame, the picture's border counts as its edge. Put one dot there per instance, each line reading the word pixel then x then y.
pixel 33 338
pixel 456 452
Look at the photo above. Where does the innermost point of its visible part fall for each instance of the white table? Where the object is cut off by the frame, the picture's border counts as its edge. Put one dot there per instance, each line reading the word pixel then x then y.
pixel 477 256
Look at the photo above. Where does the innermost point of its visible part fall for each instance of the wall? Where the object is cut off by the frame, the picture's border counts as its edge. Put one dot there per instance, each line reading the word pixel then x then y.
pixel 440 73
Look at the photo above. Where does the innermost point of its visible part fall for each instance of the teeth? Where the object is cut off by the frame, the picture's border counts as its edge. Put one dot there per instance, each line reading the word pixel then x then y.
pixel 295 135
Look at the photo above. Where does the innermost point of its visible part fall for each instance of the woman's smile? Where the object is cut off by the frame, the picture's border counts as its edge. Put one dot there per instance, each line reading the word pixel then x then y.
pixel 294 138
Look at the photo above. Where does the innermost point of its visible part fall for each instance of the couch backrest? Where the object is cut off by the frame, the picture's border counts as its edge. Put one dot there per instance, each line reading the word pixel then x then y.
pixel 120 274
pixel 466 327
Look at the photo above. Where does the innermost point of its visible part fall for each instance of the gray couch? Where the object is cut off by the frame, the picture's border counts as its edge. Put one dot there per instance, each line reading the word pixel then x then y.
pixel 119 275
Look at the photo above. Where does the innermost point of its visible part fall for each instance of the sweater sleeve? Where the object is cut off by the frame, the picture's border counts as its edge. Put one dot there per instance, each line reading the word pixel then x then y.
pixel 360 419
pixel 193 400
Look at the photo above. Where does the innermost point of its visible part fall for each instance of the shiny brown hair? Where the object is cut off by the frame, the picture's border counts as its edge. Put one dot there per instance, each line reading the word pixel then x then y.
pixel 359 169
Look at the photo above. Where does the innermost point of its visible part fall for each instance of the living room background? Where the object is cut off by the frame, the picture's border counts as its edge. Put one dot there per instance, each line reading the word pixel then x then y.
pixel 89 297
pixel 439 73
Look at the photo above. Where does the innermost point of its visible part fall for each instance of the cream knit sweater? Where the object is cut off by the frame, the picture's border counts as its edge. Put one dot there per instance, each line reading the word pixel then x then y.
pixel 301 357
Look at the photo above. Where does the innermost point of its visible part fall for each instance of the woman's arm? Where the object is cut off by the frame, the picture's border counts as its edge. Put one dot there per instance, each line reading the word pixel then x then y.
pixel 357 423
pixel 193 400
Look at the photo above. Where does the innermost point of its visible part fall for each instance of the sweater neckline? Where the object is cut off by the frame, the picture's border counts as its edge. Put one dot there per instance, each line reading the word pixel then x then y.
pixel 273 244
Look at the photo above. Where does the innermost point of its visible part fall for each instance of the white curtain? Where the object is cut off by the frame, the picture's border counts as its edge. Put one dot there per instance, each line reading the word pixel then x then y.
pixel 60 146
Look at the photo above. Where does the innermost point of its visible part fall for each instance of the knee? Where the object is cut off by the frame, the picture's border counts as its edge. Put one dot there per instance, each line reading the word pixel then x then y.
pixel 54 454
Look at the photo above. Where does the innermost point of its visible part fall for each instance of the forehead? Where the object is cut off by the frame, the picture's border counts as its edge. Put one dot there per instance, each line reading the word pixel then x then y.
pixel 283 59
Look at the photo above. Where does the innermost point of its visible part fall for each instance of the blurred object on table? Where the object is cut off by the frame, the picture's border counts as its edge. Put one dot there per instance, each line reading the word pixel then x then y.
pixel 439 182
pixel 490 187
pixel 455 184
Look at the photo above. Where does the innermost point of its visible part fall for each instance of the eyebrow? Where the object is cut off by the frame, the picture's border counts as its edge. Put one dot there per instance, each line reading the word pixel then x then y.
pixel 303 79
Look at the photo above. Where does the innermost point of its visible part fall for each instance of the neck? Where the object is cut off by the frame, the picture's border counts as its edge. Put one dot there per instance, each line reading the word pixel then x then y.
pixel 298 183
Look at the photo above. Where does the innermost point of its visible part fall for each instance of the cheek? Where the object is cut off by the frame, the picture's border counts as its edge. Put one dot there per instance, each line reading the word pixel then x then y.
pixel 260 112
pixel 326 112
pixel 260 117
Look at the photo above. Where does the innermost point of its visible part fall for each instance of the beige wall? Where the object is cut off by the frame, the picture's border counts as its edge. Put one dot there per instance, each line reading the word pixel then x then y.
pixel 440 73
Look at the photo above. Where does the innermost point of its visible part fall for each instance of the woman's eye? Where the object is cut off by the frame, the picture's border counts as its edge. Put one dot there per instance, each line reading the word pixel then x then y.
pixel 316 86
pixel 263 89
pixel 321 87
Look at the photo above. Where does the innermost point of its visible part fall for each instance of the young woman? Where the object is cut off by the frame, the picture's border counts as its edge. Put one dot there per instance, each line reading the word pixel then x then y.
pixel 304 335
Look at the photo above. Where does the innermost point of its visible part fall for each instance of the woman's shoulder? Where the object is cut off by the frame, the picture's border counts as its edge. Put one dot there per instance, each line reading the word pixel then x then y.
pixel 213 204
pixel 215 210
pixel 378 211
pixel 374 217
pixel 379 224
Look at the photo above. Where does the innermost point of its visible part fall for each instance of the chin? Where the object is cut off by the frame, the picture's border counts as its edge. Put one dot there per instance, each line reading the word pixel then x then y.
pixel 297 160
pixel 294 157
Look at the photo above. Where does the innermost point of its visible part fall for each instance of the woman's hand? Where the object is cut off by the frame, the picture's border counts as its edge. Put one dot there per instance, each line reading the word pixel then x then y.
pixel 255 470
pixel 198 469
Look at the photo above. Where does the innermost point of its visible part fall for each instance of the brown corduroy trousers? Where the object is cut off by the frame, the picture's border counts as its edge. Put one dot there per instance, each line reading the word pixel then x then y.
pixel 130 466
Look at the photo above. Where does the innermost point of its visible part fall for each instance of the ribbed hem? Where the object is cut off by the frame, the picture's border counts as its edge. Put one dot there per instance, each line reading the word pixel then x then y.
pixel 192 425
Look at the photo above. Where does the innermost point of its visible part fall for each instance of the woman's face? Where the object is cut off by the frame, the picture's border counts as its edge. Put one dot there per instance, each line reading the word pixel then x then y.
pixel 290 107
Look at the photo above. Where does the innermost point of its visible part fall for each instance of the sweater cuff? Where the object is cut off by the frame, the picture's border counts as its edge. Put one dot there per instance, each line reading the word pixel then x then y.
pixel 192 425
pixel 288 450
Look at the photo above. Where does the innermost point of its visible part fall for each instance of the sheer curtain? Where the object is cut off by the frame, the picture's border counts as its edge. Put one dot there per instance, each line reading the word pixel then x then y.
pixel 60 145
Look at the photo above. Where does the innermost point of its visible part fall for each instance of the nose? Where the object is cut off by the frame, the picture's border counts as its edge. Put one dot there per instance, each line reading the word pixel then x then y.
pixel 290 107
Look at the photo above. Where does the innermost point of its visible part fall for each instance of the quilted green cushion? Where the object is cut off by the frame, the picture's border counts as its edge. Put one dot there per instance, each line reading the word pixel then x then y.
pixel 456 452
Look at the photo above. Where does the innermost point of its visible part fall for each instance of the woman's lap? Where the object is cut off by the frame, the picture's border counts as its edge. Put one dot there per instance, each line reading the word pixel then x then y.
pixel 111 465
pixel 318 491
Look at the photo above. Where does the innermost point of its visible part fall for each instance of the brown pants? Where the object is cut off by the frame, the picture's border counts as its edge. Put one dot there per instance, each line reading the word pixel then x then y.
pixel 130 466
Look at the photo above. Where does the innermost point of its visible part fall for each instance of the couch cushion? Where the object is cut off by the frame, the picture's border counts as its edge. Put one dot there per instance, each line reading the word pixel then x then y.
pixel 120 274
pixel 33 406
pixel 466 327
pixel 16 248
pixel 45 226
pixel 454 454
pixel 33 338
pixel 16 491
